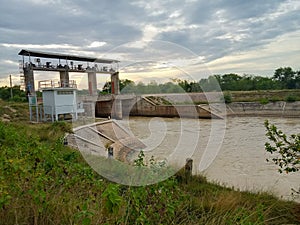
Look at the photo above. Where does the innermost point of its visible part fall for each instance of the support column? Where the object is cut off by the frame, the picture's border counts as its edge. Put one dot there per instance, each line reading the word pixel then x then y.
pixel 117 102
pixel 92 82
pixel 64 78
pixel 29 80
pixel 115 86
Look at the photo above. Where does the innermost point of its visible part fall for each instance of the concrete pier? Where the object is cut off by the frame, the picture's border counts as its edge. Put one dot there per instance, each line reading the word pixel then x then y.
pixel 92 82
pixel 116 112
pixel 115 86
pixel 64 78
pixel 29 80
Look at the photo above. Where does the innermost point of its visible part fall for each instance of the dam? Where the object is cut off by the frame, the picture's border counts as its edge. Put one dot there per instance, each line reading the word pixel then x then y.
pixel 64 90
pixel 153 106
pixel 193 105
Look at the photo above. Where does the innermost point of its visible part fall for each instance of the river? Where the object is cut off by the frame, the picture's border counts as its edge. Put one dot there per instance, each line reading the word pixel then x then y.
pixel 229 152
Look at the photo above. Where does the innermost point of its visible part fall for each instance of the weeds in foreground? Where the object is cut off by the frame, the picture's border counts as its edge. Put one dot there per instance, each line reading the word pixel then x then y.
pixel 44 182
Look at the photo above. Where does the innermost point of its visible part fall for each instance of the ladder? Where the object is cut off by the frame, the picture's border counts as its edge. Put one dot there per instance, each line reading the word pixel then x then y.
pixel 22 77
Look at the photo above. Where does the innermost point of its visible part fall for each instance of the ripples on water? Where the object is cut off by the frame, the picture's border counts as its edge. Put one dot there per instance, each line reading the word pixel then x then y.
pixel 240 156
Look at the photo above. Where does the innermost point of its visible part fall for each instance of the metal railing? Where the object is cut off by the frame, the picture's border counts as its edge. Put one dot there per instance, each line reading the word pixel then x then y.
pixel 57 84
pixel 73 68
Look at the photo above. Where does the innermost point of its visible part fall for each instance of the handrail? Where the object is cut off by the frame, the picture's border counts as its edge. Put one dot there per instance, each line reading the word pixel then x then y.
pixel 57 84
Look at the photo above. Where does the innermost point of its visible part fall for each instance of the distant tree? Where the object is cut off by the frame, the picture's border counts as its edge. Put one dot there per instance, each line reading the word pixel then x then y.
pixel 264 83
pixel 106 88
pixel 195 87
pixel 286 77
pixel 125 83
pixel 140 88
pixel 153 87
pixel 297 80
pixel 185 85
pixel 230 82
pixel 18 94
pixel 188 86
pixel 212 83
pixel 4 93
pixel 247 83
pixel 170 87
pixel 283 78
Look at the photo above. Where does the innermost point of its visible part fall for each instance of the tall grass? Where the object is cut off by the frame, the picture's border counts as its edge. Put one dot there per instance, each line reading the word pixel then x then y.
pixel 44 182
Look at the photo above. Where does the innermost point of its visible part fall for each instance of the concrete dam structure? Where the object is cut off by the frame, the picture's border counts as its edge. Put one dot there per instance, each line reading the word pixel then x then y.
pixel 172 105
pixel 273 109
pixel 152 106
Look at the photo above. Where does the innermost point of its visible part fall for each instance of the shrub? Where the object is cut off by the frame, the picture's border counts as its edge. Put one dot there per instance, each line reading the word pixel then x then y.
pixel 275 99
pixel 264 101
pixel 290 98
pixel 227 97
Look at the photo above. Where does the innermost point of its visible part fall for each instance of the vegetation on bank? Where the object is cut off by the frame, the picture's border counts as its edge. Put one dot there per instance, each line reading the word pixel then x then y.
pixel 44 182
pixel 14 94
pixel 263 97
pixel 283 78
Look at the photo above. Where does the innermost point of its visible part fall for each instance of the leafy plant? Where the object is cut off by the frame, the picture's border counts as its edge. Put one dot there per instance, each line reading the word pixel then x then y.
pixel 140 161
pixel 287 149
pixel 290 98
pixel 264 101
pixel 227 97
pixel 112 198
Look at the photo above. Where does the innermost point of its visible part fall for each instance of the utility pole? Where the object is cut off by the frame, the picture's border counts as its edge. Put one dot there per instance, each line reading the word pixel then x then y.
pixel 11 90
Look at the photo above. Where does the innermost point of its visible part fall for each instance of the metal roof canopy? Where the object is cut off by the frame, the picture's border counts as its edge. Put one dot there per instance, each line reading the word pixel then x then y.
pixel 24 52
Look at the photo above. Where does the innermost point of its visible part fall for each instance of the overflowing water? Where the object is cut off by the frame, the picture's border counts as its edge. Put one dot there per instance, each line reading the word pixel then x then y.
pixel 230 152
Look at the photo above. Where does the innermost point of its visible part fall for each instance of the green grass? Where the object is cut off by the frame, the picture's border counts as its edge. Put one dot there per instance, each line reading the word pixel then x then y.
pixel 44 182
pixel 263 96
pixel 16 111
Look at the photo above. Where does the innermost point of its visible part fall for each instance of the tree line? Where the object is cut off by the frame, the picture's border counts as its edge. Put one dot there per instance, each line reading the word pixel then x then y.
pixel 15 94
pixel 283 78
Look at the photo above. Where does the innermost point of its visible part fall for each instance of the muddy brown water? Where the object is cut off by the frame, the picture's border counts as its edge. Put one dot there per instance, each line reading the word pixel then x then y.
pixel 230 152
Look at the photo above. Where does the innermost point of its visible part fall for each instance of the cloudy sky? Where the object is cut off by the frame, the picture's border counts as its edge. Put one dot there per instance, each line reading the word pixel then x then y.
pixel 156 40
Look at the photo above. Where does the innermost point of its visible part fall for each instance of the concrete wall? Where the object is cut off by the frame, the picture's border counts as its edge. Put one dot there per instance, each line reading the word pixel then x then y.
pixel 189 98
pixel 284 109
pixel 103 108
pixel 144 108
pixel 139 106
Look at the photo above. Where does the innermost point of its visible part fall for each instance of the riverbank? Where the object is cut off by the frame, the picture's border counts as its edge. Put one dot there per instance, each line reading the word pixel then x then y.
pixel 263 96
pixel 44 182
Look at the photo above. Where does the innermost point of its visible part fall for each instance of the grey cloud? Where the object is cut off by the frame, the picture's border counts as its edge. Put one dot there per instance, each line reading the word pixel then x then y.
pixel 236 9
pixel 54 23
pixel 246 22
pixel 209 28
